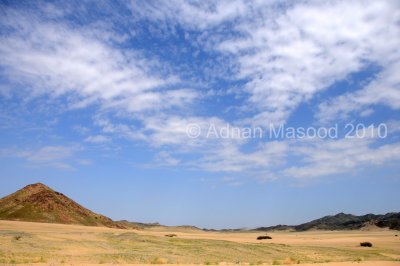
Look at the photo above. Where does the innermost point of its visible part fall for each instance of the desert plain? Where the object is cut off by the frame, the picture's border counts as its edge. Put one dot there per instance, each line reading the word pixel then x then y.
pixel 28 243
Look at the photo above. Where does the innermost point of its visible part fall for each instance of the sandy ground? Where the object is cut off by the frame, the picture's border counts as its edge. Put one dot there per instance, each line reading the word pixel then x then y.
pixel 86 241
pixel 365 263
pixel 383 238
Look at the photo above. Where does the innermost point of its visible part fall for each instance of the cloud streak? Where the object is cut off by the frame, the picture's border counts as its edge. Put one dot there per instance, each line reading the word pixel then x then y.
pixel 290 56
pixel 258 62
pixel 57 60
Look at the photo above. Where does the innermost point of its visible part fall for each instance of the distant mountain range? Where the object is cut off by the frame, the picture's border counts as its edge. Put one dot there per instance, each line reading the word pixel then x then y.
pixel 342 221
pixel 39 203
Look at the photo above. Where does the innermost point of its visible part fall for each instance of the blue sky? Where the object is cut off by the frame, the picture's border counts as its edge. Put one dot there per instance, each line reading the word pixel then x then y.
pixel 98 99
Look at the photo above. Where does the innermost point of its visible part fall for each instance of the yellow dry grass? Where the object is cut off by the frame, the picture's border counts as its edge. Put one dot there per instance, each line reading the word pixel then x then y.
pixel 53 244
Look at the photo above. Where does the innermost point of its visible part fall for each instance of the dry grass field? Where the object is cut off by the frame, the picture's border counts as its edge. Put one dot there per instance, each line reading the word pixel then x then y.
pixel 54 244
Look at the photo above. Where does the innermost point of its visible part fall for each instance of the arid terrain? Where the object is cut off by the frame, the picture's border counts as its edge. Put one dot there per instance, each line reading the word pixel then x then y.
pixel 29 243
pixel 199 132
pixel 40 226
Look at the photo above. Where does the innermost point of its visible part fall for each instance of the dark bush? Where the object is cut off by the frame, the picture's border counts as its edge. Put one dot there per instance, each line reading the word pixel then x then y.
pixel 170 235
pixel 263 237
pixel 366 244
pixel 17 237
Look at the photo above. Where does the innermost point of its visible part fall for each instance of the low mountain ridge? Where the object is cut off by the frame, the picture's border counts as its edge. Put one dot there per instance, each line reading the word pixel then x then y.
pixel 342 221
pixel 39 203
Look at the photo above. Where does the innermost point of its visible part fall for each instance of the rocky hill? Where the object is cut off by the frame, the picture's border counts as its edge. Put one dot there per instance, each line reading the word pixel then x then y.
pixel 39 203
pixel 342 221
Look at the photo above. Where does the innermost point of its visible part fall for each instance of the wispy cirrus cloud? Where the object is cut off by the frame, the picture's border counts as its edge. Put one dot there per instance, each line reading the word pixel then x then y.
pixel 55 156
pixel 289 52
pixel 384 89
pixel 196 15
pixel 260 60
pixel 332 157
pixel 291 55
pixel 97 139
pixel 57 59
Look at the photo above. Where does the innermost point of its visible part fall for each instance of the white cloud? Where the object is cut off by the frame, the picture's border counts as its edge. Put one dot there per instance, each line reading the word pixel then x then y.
pixel 210 152
pixel 56 156
pixel 58 60
pixel 385 89
pixel 48 154
pixel 231 181
pixel 328 157
pixel 81 129
pixel 172 130
pixel 84 162
pixel 98 139
pixel 393 126
pixel 119 129
pixel 229 158
pixel 267 160
pixel 287 53
pixel 200 14
pixel 290 55
pixel 164 158
pixel 155 101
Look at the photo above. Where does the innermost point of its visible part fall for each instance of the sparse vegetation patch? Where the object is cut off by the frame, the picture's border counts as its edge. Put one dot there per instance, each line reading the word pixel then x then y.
pixel 366 244
pixel 263 237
